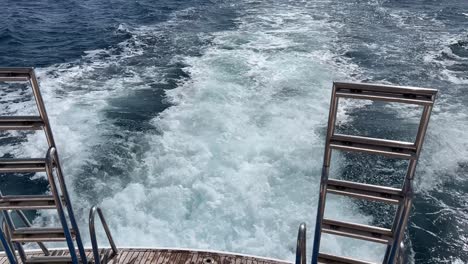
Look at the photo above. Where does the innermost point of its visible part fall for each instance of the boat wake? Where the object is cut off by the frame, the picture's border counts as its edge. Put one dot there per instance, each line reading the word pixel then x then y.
pixel 207 130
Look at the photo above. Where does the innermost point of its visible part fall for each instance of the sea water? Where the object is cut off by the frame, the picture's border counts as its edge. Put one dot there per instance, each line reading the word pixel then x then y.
pixel 201 124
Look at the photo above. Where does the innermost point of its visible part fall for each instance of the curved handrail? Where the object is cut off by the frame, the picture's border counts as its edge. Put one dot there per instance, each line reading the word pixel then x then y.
pixel 301 244
pixel 92 232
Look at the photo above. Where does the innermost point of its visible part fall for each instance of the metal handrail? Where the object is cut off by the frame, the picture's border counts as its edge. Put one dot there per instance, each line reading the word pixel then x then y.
pixel 405 150
pixel 301 244
pixel 58 189
pixel 400 259
pixel 92 232
pixel 51 159
pixel 7 246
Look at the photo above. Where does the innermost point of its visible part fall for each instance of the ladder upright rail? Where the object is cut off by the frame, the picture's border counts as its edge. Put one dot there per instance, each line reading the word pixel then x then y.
pixel 397 149
pixel 60 197
pixel 325 174
pixel 7 246
pixel 50 138
pixel 50 160
pixel 401 218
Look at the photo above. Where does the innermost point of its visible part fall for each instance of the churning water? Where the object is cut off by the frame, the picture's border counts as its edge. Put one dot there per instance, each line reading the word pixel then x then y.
pixel 201 123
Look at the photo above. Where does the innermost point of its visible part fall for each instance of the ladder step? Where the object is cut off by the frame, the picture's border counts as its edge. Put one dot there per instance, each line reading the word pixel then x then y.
pixel 392 148
pixel 50 259
pixel 358 231
pixel 14 75
pixel 365 191
pixel 38 234
pixel 408 95
pixel 21 123
pixel 22 165
pixel 331 259
pixel 27 202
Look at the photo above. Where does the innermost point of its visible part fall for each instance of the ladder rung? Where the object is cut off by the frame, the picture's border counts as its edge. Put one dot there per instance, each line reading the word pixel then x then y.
pixel 6 70
pixel 21 123
pixel 38 234
pixel 409 95
pixel 15 74
pixel 330 259
pixel 22 165
pixel 365 191
pixel 393 148
pixel 358 231
pixel 27 202
pixel 50 259
pixel 16 77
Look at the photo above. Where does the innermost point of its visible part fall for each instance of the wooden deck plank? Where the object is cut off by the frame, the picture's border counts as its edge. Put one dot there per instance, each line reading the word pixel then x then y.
pixel 160 258
pixel 131 256
pixel 170 258
pixel 222 259
pixel 167 257
pixel 194 258
pixel 122 255
pixel 148 256
pixel 184 256
pixel 144 257
pixel 139 257
pixel 238 260
pixel 254 261
pixel 3 260
pixel 119 257
pixel 156 257
pixel 177 258
pixel 128 256
pixel 89 255
pixel 200 256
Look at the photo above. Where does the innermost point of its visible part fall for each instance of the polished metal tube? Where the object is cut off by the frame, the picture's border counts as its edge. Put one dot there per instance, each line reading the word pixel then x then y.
pixel 50 158
pixel 7 247
pixel 301 246
pixel 55 161
pixel 92 232
pixel 324 176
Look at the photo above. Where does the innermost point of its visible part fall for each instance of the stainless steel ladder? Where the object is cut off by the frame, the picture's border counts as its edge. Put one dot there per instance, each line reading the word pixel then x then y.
pixel 396 149
pixel 11 236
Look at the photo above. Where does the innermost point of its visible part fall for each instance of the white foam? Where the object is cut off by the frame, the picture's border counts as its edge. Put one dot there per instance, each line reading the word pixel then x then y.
pixel 237 164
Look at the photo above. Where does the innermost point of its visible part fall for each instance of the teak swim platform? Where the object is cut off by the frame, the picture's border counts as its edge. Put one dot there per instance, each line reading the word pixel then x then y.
pixel 166 256
pixel 14 234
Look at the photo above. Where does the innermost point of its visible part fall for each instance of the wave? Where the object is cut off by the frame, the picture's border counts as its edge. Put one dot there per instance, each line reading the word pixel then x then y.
pixel 226 149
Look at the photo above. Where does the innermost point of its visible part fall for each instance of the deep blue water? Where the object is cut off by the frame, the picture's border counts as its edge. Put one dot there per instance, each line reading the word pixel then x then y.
pixel 201 123
pixel 46 32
